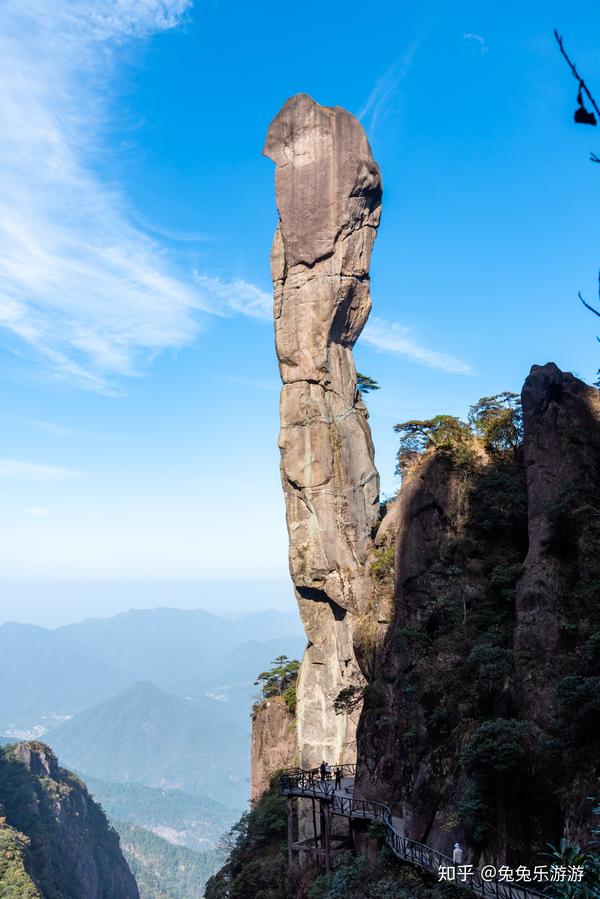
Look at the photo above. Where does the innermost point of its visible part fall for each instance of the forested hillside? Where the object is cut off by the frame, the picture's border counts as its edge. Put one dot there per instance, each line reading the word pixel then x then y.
pixel 163 870
pixel 180 818
pixel 54 840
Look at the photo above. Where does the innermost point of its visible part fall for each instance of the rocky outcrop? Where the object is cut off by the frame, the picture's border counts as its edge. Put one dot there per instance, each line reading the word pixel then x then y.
pixel 329 200
pixel 56 841
pixel 562 461
pixel 557 633
pixel 482 722
pixel 401 761
pixel 273 743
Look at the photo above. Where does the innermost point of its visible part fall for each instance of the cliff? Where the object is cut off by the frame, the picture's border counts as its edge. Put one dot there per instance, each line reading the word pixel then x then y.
pixel 273 743
pixel 54 840
pixel 329 200
pixel 460 622
pixel 481 723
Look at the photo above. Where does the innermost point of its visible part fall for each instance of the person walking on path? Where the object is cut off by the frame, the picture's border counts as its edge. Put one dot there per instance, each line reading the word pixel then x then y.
pixel 338 777
pixel 323 770
pixel 457 855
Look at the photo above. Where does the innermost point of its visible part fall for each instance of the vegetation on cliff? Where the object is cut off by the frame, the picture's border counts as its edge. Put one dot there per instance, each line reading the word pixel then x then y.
pixel 353 878
pixel 257 863
pixel 280 680
pixel 446 726
pixel 55 841
pixel 257 866
pixel 15 882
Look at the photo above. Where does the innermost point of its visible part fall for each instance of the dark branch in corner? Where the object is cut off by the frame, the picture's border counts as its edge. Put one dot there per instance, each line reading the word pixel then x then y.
pixel 587 305
pixel 585 117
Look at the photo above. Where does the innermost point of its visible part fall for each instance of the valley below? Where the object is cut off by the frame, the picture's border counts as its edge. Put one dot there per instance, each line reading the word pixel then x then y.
pixel 152 710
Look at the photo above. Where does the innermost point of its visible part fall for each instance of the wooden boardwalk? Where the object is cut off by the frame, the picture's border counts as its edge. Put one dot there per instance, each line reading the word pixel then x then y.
pixel 307 784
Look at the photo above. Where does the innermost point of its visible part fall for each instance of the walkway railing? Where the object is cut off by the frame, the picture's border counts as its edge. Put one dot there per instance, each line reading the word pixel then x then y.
pixel 296 782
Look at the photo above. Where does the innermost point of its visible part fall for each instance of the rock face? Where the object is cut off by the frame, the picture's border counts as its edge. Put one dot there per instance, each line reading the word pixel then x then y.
pixel 401 761
pixel 562 461
pixel 557 634
pixel 273 743
pixel 329 200
pixel 55 840
pixel 482 722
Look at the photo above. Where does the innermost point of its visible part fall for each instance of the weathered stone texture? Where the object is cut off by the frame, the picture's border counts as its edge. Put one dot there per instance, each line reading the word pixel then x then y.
pixel 273 743
pixel 562 461
pixel 329 198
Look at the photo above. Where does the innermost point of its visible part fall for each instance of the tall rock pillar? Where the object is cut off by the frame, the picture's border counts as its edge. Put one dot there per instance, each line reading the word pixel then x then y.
pixel 329 200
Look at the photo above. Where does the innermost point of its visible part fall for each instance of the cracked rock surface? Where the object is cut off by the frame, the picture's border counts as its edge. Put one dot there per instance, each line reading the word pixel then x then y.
pixel 328 191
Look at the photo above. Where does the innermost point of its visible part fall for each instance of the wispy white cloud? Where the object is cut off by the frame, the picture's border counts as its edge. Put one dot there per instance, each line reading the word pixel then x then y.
pixel 230 297
pixel 49 427
pixel 386 86
pixel 394 338
pixel 470 36
pixel 37 512
pixel 14 469
pixel 81 286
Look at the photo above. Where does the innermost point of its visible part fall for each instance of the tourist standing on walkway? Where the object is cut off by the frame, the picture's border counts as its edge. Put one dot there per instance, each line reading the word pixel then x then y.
pixel 457 855
pixel 323 770
pixel 338 777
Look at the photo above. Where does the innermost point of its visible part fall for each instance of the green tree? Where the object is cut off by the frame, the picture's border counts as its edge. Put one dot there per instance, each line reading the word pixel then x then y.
pixel 498 421
pixel 444 432
pixel 280 680
pixel 570 855
pixel 365 384
pixel 348 699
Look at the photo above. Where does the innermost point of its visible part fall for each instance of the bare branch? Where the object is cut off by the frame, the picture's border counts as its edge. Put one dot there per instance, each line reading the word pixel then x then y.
pixel 587 306
pixel 583 86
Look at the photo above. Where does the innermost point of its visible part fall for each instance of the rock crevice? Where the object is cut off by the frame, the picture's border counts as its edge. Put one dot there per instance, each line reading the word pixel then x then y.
pixel 328 191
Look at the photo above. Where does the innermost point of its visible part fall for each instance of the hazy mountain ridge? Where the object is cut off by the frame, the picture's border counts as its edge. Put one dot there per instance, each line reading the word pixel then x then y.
pixel 193 821
pixel 155 708
pixel 191 653
pixel 145 735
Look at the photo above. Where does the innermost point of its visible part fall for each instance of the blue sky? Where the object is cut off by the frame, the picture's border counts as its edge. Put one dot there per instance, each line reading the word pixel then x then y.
pixel 137 370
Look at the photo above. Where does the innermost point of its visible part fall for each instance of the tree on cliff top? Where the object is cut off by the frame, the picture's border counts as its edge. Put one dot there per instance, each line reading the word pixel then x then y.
pixel 496 422
pixel 444 432
pixel 280 680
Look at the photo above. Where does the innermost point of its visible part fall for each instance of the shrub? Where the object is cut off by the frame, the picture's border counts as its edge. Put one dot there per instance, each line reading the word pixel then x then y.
pixel 578 700
pixel 382 567
pixel 495 748
pixel 348 699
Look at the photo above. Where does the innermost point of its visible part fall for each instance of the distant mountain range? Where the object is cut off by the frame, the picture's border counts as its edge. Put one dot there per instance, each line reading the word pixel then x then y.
pixel 47 675
pixel 146 736
pixel 152 709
